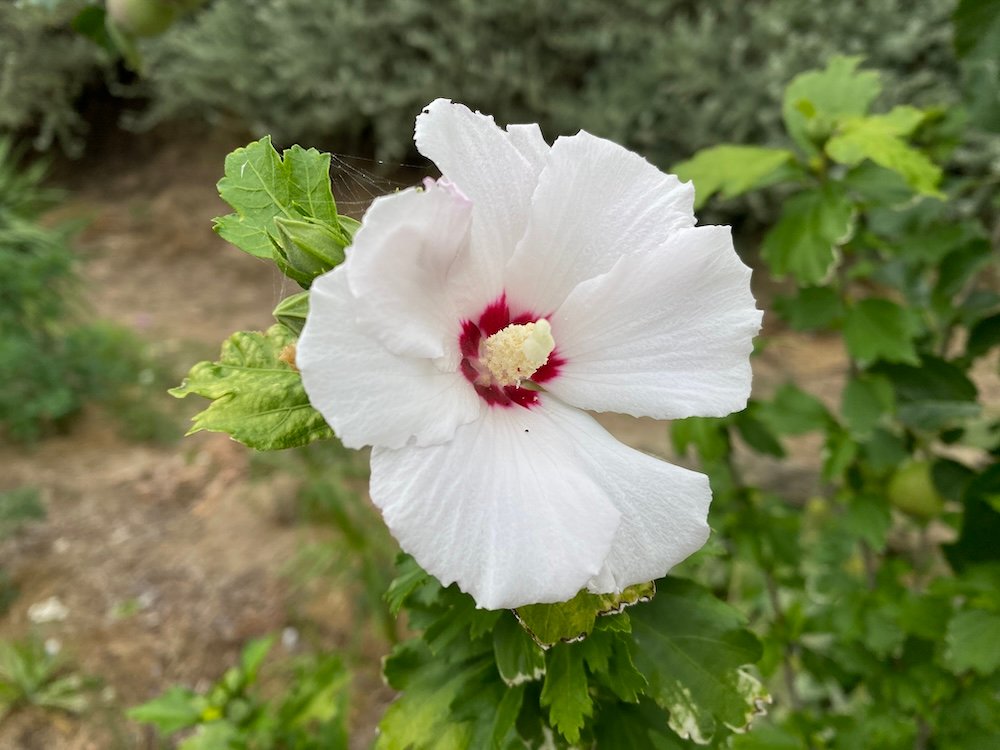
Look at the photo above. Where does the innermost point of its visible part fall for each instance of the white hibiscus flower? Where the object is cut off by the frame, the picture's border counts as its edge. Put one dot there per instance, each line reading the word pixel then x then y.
pixel 475 319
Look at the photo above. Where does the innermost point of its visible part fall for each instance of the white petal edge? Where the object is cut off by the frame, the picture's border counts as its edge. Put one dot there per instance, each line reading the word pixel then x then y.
pixel 367 394
pixel 498 171
pixel 666 334
pixel 509 509
pixel 397 268
pixel 595 201
pixel 664 507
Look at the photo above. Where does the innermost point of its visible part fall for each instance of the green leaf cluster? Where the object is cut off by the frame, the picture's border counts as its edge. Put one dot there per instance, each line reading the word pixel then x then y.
pixel 871 579
pixel 311 714
pixel 672 668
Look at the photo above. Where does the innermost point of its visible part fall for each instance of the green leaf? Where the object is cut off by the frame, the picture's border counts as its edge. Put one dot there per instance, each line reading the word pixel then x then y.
pixel 867 517
pixel 977 541
pixel 411 577
pixel 253 656
pixel 213 736
pixel 877 329
pixel 566 692
pixel 422 716
pixel 261 186
pixel 257 397
pixel 709 436
pixel 756 433
pixel 291 312
pixel 569 621
pixel 792 411
pixel 816 100
pixel 880 139
pixel 733 170
pixel 691 647
pixel 932 394
pixel 983 337
pixel 814 307
pixel 977 38
pixel 519 659
pixel 972 642
pixel 608 655
pixel 865 401
pixel 176 709
pixel 805 241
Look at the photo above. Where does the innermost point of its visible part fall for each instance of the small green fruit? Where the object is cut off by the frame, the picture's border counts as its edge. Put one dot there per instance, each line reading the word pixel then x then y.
pixel 142 17
pixel 912 490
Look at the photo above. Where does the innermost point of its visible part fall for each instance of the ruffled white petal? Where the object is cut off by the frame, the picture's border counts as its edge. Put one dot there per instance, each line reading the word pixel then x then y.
pixel 595 201
pixel 367 394
pixel 664 507
pixel 664 334
pixel 529 141
pixel 498 171
pixel 509 509
pixel 397 269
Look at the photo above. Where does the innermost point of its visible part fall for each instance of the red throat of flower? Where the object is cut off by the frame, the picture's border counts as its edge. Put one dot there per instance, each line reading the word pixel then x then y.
pixel 506 357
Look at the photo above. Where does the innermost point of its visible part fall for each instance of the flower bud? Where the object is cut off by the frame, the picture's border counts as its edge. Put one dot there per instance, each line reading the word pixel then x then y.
pixel 291 311
pixel 142 17
pixel 305 248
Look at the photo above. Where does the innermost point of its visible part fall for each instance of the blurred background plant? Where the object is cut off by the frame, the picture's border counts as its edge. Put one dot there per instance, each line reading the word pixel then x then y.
pixel 52 361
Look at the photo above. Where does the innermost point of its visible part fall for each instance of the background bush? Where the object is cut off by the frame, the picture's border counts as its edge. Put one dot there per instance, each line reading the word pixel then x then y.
pixel 664 77
pixel 44 68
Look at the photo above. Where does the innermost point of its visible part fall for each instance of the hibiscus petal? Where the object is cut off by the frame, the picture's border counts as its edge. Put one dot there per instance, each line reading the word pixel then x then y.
pixel 665 334
pixel 367 394
pixel 595 201
pixel 664 507
pixel 498 171
pixel 398 265
pixel 508 509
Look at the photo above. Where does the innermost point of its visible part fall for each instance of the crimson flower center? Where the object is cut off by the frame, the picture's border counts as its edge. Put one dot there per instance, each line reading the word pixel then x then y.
pixel 505 357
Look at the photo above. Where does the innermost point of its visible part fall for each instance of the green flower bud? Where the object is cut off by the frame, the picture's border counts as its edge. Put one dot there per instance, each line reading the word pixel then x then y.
pixel 305 248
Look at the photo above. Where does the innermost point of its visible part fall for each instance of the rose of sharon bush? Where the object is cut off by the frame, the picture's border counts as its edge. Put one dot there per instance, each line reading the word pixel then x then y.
pixel 475 319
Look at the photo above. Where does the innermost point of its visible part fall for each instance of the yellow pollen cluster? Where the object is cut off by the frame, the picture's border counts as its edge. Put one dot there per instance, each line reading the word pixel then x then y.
pixel 516 352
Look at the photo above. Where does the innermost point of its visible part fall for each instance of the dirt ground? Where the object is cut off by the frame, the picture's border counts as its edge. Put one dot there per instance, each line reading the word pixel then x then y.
pixel 169 557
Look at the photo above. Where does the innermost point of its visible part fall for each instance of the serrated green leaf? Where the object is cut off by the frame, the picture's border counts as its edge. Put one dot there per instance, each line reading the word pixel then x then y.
pixel 608 655
pixel 261 185
pixel 568 621
pixel 877 329
pixel 731 170
pixel 257 397
pixel 806 240
pixel 691 647
pixel 814 101
pixel 972 642
pixel 170 712
pixel 519 659
pixel 880 139
pixel 812 308
pixel 565 692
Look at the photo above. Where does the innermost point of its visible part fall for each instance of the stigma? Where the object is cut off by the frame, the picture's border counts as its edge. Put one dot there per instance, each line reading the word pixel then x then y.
pixel 514 353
